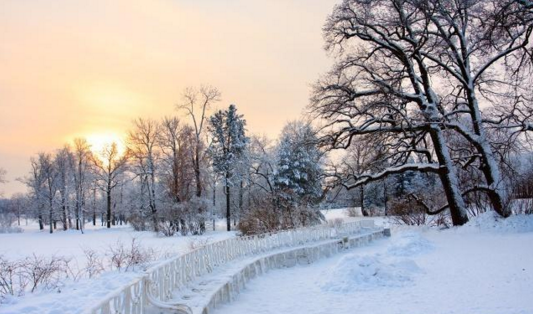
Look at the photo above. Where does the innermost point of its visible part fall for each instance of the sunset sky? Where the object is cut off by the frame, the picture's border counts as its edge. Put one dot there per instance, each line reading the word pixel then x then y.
pixel 71 68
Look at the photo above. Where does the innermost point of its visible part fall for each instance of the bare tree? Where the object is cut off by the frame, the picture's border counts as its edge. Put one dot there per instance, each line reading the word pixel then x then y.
pixel 364 155
pixel 414 71
pixel 196 102
pixel 381 86
pixel 176 142
pixel 110 167
pixel 142 148
pixel 469 53
pixel 81 166
pixel 35 183
pixel 63 162
pixel 50 184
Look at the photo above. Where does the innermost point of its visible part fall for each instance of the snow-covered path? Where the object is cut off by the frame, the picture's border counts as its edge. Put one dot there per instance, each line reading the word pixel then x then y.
pixel 454 271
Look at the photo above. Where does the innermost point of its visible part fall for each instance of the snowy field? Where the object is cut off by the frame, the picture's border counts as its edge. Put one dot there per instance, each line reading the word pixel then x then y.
pixel 72 243
pixel 73 297
pixel 485 267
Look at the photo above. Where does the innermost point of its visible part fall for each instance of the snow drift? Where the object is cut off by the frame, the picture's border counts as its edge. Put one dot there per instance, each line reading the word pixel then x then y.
pixel 355 273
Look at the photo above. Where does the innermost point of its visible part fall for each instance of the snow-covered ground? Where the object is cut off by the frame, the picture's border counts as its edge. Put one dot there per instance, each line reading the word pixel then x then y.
pixel 72 243
pixel 73 297
pixel 76 296
pixel 485 267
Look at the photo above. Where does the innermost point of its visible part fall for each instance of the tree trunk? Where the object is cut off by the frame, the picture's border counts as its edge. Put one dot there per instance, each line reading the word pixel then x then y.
pixel 199 187
pixel 153 205
pixel 40 217
pixel 81 219
pixel 78 210
pixel 385 196
pixel 228 203
pixel 214 204
pixel 51 204
pixel 94 207
pixel 64 208
pixel 108 197
pixel 51 221
pixel 241 196
pixel 362 196
pixel 448 178
pixel 490 168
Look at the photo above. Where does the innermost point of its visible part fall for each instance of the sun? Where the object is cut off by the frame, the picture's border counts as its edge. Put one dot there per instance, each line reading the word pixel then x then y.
pixel 99 141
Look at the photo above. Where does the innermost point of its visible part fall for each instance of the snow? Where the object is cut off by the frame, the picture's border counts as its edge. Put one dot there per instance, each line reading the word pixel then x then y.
pixel 72 243
pixel 74 297
pixel 492 222
pixel 484 267
pixel 353 273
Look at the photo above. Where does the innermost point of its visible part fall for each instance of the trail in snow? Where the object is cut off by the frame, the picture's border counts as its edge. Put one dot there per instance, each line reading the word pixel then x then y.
pixel 485 267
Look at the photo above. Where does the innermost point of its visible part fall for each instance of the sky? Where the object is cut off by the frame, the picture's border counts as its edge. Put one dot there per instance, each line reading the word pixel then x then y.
pixel 73 68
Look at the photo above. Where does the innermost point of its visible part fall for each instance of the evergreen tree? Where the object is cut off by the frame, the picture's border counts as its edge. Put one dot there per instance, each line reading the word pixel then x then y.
pixel 299 168
pixel 227 147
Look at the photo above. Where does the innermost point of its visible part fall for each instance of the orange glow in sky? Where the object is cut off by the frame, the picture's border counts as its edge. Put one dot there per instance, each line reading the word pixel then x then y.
pixel 71 68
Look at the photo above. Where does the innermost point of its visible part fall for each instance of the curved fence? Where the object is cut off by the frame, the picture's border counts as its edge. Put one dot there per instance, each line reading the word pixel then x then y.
pixel 156 286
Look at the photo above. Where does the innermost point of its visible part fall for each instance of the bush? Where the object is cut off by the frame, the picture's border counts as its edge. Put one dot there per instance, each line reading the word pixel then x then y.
pixel 335 223
pixel 6 222
pixel 259 220
pixel 10 229
pixel 408 212
pixel 124 257
pixel 353 212
pixel 95 263
pixel 12 279
pixel 49 273
pixel 196 243
pixel 522 206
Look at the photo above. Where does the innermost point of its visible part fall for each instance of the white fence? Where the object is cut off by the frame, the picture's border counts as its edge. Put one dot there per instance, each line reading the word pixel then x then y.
pixel 160 281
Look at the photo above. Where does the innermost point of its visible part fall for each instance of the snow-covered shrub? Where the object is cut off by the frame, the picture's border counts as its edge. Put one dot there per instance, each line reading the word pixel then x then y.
pixel 35 273
pixel 44 272
pixel 195 243
pixel 192 214
pixel 126 257
pixel 407 212
pixel 522 206
pixel 11 229
pixel 94 265
pixel 12 281
pixel 137 221
pixel 353 212
pixel 337 222
pixel 7 219
pixel 259 220
pixel 410 212
pixel 169 221
pixel 374 210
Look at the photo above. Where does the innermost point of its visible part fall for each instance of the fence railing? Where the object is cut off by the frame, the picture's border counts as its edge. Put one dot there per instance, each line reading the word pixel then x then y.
pixel 160 281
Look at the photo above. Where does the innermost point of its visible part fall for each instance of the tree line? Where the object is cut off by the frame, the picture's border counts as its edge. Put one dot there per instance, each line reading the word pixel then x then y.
pixel 171 174
pixel 429 102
